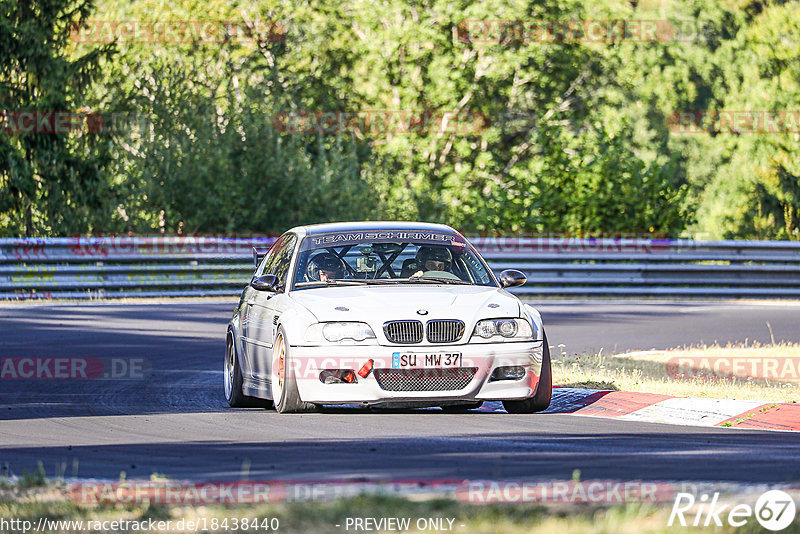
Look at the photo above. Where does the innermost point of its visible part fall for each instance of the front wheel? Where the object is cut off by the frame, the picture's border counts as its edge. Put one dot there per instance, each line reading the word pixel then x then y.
pixel 544 391
pixel 284 382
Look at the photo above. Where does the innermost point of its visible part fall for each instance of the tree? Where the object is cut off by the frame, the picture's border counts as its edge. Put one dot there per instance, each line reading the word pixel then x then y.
pixel 49 182
pixel 755 190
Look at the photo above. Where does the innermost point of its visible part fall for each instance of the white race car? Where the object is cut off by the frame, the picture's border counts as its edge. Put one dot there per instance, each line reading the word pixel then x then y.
pixel 383 313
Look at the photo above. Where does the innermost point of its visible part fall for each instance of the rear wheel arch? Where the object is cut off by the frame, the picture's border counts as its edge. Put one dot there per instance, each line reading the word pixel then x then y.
pixel 234 377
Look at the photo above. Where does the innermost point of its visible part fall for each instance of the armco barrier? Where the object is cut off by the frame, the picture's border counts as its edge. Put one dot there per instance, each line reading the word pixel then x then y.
pixel 102 267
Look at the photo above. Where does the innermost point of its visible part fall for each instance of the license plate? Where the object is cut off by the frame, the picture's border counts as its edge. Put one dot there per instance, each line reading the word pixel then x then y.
pixel 438 360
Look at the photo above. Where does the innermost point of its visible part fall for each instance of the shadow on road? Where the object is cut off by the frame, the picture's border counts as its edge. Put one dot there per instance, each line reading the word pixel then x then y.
pixel 671 454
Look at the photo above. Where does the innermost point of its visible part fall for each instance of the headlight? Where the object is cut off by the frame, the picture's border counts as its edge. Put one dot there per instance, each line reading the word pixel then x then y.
pixel 517 329
pixel 335 332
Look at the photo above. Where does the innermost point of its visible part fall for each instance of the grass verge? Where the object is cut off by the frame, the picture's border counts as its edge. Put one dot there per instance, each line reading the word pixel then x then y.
pixel 51 502
pixel 660 372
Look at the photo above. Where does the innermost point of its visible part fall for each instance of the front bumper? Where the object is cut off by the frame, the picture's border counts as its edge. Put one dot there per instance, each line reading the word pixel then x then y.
pixel 307 363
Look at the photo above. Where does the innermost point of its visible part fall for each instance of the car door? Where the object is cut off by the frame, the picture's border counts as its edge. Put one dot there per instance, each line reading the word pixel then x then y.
pixel 250 317
pixel 267 306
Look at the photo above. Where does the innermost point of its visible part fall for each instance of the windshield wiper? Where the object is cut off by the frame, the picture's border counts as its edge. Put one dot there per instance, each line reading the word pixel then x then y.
pixel 434 280
pixel 331 283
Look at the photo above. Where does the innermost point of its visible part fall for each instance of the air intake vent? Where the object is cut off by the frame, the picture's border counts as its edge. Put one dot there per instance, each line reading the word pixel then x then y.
pixel 445 330
pixel 403 332
pixel 451 379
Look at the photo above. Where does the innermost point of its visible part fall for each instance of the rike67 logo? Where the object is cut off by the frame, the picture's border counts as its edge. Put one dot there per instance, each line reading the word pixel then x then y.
pixel 774 510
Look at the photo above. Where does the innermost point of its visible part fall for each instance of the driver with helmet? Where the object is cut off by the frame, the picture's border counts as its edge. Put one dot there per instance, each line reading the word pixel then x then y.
pixel 434 258
pixel 325 266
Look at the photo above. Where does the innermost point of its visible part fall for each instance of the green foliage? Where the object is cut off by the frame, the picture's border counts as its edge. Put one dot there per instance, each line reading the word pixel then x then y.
pixel 576 137
pixel 49 183
pixel 201 163
pixel 34 479
pixel 755 191
pixel 582 184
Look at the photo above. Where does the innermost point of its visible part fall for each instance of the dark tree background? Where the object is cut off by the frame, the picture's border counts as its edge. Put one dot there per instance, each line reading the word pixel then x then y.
pixel 575 137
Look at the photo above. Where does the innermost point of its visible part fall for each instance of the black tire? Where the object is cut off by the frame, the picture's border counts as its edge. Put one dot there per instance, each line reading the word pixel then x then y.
pixel 462 408
pixel 544 391
pixel 289 401
pixel 235 397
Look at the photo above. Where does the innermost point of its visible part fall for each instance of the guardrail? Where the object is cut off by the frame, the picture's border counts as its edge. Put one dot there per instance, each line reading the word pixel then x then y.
pixel 87 268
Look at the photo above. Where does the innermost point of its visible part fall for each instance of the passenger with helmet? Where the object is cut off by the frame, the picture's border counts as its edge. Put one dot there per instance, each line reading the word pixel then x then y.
pixel 325 266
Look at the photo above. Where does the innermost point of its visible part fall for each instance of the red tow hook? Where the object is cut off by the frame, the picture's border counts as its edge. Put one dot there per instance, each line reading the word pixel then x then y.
pixel 366 369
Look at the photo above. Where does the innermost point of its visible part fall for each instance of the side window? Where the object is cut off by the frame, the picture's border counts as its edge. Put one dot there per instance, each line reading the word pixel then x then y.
pixel 269 258
pixel 283 258
pixel 476 269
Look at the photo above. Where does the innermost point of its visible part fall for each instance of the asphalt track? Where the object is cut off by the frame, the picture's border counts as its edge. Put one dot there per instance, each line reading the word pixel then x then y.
pixel 176 422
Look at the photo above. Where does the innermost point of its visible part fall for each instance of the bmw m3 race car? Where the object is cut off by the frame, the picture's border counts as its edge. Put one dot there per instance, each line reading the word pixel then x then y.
pixel 383 314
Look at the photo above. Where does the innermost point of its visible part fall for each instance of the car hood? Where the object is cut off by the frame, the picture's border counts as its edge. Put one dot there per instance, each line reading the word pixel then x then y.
pixel 378 304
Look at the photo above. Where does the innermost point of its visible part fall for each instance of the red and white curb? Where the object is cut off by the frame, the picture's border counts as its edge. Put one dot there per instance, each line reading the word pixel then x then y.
pixel 686 411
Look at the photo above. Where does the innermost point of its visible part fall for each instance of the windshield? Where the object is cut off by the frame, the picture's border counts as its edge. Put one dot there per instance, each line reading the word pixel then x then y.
pixel 392 257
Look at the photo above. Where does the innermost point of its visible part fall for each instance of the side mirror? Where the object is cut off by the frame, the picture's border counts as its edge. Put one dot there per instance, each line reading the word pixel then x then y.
pixel 258 255
pixel 512 278
pixel 266 282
